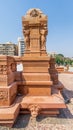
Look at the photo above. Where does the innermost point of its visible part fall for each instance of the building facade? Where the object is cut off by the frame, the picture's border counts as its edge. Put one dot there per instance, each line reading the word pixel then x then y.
pixel 8 49
pixel 21 46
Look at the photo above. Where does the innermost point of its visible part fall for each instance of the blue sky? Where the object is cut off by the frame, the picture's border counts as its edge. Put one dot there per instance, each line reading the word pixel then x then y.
pixel 60 22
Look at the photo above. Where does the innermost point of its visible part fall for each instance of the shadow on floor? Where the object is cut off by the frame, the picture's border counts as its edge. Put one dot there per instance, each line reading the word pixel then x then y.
pixel 22 121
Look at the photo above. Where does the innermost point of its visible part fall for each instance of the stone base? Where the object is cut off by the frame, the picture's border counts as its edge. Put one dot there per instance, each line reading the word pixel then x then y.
pixel 49 112
pixel 35 76
pixel 37 104
pixel 55 101
pixel 48 105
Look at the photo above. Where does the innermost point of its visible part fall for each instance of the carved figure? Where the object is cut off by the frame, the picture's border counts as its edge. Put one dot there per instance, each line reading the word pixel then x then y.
pixel 34 109
pixel 43 39
pixel 27 39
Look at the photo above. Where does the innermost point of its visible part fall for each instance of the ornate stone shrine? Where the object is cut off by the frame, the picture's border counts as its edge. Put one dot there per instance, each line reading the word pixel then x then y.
pixel 35 90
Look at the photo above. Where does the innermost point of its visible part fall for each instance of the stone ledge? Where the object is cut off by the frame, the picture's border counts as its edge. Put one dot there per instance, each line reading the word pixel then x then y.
pixel 34 82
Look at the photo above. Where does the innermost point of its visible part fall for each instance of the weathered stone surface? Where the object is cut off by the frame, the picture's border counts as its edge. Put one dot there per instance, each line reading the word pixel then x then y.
pixel 7 69
pixel 35 31
pixel 35 67
pixel 37 86
pixel 8 94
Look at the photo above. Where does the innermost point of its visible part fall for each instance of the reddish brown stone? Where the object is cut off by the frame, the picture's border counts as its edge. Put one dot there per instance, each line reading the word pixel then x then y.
pixel 38 82
pixel 8 94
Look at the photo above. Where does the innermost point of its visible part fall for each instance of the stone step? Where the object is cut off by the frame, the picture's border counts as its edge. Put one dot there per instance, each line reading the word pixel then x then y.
pixel 55 101
pixel 34 83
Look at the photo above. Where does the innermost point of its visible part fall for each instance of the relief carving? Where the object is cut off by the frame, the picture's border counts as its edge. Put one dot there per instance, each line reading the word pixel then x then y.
pixel 4 69
pixel 13 67
pixel 35 31
pixel 43 39
pixel 34 13
pixel 27 39
pixel 3 95
pixel 34 109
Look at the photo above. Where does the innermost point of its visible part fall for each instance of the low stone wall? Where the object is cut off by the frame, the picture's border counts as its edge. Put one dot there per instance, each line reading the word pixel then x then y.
pixel 60 69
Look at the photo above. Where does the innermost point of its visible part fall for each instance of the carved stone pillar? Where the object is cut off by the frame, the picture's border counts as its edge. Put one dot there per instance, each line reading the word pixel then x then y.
pixel 35 60
pixel 35 31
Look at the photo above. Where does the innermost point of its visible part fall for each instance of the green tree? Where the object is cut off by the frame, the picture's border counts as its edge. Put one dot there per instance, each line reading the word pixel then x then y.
pixel 59 58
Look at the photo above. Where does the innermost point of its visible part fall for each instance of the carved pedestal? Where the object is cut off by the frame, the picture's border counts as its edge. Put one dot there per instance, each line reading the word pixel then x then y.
pixel 36 89
pixel 39 77
pixel 35 76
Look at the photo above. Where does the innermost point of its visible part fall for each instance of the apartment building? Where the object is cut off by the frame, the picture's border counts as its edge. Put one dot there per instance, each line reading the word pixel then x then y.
pixel 21 46
pixel 8 49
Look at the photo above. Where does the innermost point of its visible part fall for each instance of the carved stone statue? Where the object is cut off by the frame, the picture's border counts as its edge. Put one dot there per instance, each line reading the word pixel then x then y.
pixel 43 33
pixel 27 39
